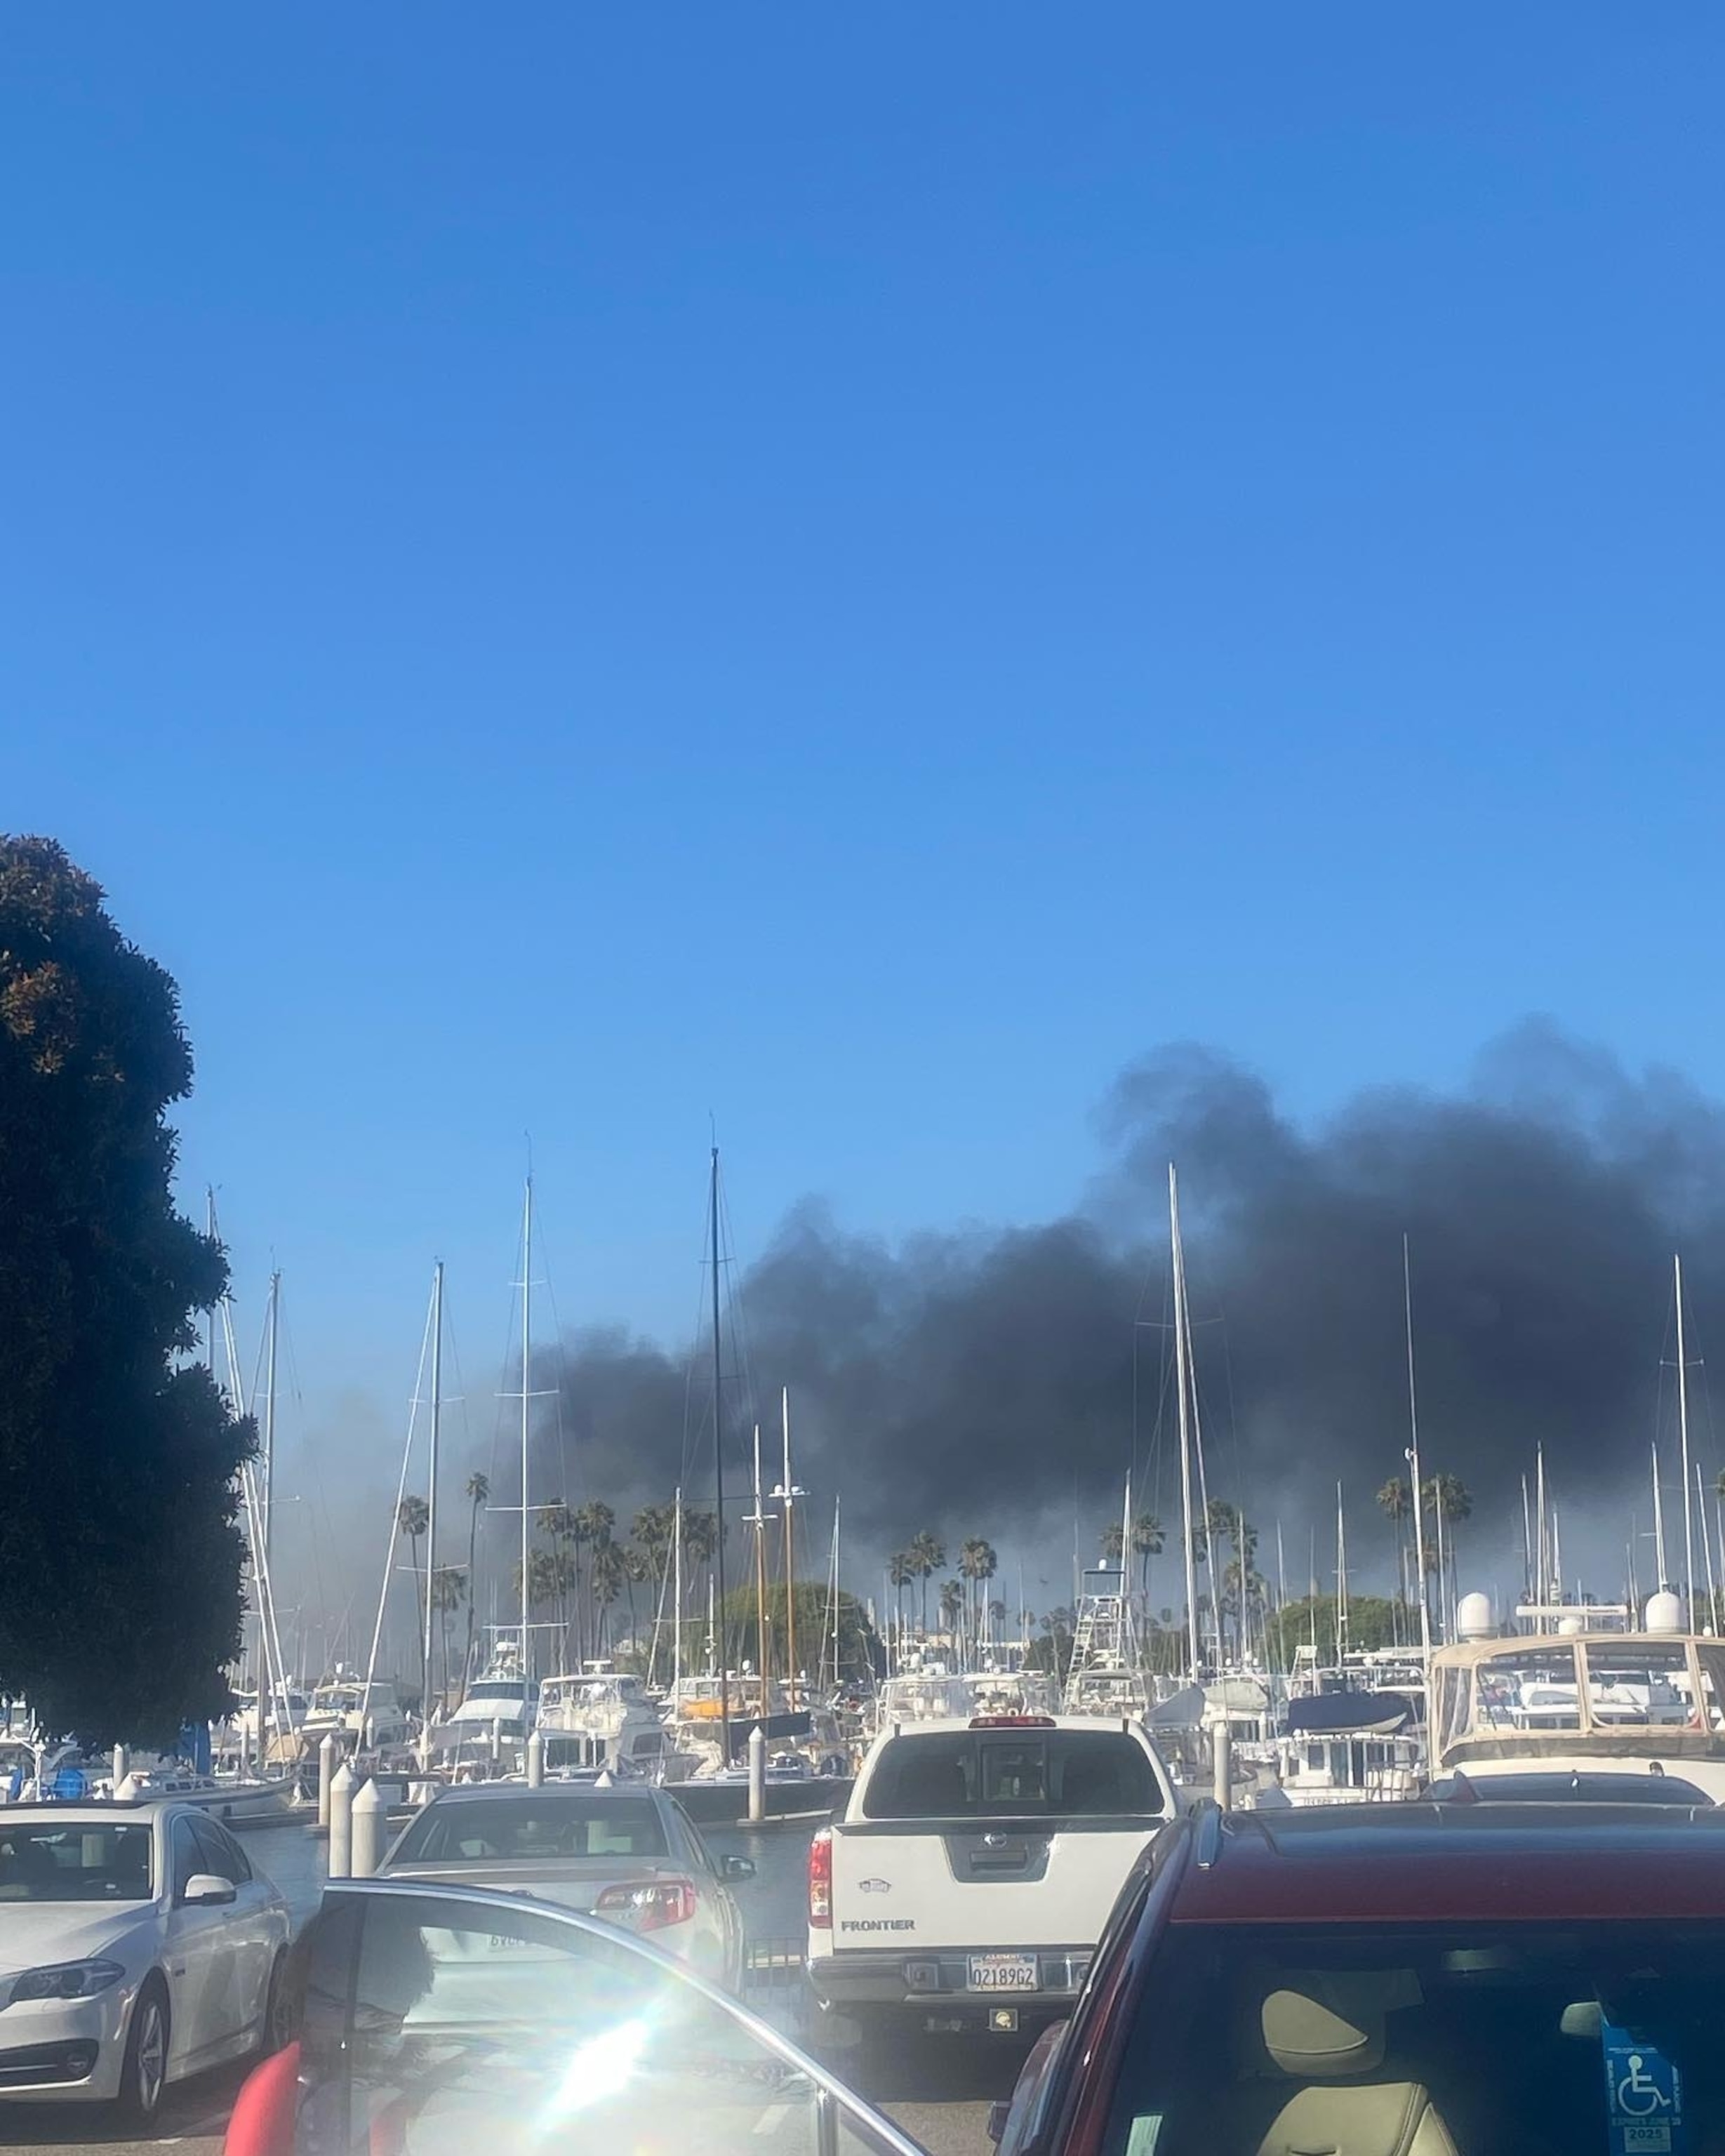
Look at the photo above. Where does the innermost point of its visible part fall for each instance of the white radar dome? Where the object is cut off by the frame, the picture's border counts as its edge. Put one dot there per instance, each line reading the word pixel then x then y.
pixel 1473 1617
pixel 1664 1612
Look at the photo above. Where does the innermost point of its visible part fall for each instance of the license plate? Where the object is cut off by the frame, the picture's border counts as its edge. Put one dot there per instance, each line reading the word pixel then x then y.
pixel 1002 1972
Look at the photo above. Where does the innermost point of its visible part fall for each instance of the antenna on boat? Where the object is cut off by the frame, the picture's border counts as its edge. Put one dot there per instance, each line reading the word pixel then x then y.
pixel 1414 1463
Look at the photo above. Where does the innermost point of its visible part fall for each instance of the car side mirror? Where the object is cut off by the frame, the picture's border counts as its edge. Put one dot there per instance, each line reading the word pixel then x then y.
pixel 737 1868
pixel 997 2113
pixel 204 1890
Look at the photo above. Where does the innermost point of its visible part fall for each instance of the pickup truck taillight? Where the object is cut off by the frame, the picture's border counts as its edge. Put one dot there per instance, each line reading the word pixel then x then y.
pixel 820 1881
pixel 649 1907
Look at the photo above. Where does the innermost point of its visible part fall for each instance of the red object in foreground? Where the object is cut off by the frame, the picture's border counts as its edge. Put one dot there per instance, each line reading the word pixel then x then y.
pixel 264 2112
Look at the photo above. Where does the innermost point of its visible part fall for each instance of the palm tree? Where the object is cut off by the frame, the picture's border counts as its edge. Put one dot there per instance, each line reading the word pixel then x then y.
pixel 558 1523
pixel 479 1496
pixel 901 1572
pixel 929 1553
pixel 447 1594
pixel 607 1573
pixel 1148 1542
pixel 1395 1502
pixel 655 1529
pixel 412 1516
pixel 952 1604
pixel 977 1563
pixel 1449 1500
pixel 638 1570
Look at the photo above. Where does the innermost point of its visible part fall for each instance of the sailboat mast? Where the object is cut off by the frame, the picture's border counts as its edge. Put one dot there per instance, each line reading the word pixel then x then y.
pixel 1658 1523
pixel 677 1604
pixel 758 1521
pixel 1683 1441
pixel 1541 1594
pixel 719 1481
pixel 526 1391
pixel 269 1413
pixel 1182 1387
pixel 1341 1578
pixel 833 1594
pixel 437 1409
pixel 790 1562
pixel 1707 1551
pixel 1414 1462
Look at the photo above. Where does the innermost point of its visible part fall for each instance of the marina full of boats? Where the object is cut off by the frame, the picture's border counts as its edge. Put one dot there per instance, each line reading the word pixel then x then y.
pixel 1239 1705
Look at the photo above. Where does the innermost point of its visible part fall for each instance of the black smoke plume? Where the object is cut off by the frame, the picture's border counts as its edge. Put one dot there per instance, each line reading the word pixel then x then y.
pixel 982 1381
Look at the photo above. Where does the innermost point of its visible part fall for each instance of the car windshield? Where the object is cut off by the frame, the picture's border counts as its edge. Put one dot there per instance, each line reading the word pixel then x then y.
pixel 1524 2037
pixel 73 1861
pixel 571 1823
pixel 1030 1774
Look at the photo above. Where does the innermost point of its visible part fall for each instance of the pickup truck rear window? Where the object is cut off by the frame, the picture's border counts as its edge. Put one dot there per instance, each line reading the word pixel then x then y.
pixel 1053 1773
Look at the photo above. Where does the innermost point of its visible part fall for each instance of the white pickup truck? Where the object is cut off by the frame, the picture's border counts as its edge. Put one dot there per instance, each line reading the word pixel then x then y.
pixel 970 1879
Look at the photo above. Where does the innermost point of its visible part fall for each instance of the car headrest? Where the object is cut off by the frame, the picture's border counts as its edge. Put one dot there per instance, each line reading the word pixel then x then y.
pixel 1327 2025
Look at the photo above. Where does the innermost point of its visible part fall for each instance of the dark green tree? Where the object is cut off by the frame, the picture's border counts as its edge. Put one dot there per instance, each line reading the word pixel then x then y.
pixel 120 1556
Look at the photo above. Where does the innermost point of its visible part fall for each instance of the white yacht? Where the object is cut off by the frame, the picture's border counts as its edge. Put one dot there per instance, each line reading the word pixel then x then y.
pixel 601 1718
pixel 504 1697
pixel 929 1694
pixel 344 1706
pixel 1011 1692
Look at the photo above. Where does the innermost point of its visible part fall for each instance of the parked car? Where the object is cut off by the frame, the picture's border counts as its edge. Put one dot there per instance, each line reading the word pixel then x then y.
pixel 137 1946
pixel 1412 1977
pixel 627 1854
pixel 969 1880
pixel 432 2019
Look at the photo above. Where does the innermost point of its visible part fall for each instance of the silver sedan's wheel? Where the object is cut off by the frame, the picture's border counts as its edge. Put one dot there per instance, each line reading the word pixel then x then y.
pixel 144 2074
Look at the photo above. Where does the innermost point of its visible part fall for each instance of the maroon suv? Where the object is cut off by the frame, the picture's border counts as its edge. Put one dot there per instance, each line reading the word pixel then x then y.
pixel 1406 1980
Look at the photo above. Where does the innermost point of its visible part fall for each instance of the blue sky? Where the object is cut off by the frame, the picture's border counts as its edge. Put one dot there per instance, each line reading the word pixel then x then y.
pixel 851 570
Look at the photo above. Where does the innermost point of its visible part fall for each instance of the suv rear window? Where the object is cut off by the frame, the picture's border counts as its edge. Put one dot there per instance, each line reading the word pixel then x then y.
pixel 1032 1774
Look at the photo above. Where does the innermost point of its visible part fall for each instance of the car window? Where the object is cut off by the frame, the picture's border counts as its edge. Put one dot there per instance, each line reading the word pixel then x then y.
pixel 1071 1773
pixel 184 1859
pixel 220 1853
pixel 1220 2055
pixel 79 1861
pixel 571 1823
pixel 511 2031
pixel 690 1845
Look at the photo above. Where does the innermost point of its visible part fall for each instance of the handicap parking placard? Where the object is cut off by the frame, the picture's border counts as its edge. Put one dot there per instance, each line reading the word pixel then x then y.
pixel 1643 2097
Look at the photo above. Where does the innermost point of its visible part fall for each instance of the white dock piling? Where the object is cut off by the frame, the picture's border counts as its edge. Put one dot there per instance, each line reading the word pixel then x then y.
pixel 123 1766
pixel 328 1753
pixel 343 1785
pixel 1223 1735
pixel 757 1775
pixel 370 1820
pixel 536 1761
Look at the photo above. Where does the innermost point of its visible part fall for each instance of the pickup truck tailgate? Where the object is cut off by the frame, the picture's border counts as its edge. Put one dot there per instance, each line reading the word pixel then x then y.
pixel 958 1883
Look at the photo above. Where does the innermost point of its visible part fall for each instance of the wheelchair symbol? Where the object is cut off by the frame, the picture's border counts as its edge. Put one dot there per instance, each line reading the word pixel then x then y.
pixel 1647 2095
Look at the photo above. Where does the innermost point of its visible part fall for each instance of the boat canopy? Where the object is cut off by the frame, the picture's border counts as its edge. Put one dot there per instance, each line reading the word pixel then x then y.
pixel 1618 1695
